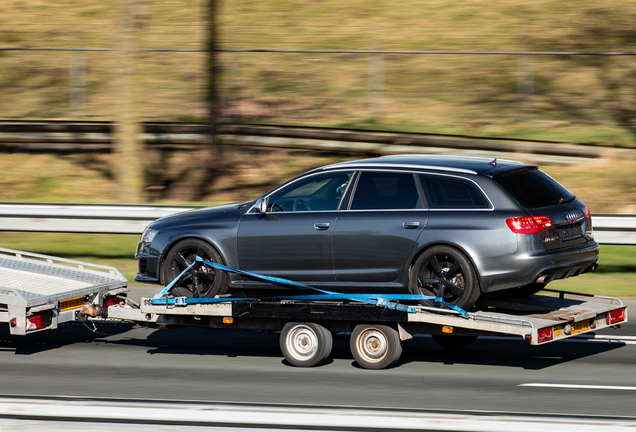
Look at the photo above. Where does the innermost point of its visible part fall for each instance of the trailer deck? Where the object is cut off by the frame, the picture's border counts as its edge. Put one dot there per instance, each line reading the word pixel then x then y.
pixel 37 292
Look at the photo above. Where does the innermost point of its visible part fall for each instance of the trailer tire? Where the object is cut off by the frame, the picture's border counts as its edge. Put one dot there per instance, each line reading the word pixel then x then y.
pixel 305 344
pixel 211 281
pixel 375 346
pixel 454 343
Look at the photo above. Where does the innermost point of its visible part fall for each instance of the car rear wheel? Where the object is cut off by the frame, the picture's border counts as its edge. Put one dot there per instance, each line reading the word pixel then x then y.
pixel 443 271
pixel 209 281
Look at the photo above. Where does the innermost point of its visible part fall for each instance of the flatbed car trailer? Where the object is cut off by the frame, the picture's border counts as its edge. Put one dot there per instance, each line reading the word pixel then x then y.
pixel 306 327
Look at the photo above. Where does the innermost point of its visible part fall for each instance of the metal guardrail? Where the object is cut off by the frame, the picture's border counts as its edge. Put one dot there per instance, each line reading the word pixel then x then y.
pixel 118 219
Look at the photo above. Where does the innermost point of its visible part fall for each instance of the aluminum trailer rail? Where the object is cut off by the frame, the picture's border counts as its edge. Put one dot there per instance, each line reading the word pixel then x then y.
pixel 38 292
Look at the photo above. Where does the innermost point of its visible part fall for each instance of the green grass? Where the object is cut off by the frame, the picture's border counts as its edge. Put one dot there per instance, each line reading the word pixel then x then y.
pixel 616 275
pixel 574 99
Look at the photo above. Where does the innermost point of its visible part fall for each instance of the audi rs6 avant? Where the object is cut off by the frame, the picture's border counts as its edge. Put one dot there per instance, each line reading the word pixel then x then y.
pixel 454 227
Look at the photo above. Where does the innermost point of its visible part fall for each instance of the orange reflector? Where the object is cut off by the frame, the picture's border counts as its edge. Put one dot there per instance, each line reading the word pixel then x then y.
pixel 227 320
pixel 617 315
pixel 447 329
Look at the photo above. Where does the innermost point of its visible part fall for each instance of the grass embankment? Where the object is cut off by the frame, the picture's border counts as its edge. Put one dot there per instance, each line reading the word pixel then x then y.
pixel 616 275
pixel 564 98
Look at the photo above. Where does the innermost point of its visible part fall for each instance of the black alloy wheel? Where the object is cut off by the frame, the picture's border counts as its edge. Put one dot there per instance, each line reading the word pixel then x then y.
pixel 205 281
pixel 443 271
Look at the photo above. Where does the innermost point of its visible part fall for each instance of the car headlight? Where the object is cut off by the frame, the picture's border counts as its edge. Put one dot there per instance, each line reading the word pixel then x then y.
pixel 148 235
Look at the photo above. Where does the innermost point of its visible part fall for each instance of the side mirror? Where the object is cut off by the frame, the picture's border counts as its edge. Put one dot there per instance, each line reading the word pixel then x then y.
pixel 261 205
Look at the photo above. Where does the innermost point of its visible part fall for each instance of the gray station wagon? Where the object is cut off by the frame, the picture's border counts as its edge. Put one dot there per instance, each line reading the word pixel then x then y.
pixel 440 226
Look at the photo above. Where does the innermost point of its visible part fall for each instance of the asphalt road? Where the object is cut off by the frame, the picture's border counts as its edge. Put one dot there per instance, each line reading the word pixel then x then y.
pixel 204 365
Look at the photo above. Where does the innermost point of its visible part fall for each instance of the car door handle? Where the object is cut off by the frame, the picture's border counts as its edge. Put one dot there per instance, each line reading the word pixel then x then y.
pixel 321 225
pixel 411 225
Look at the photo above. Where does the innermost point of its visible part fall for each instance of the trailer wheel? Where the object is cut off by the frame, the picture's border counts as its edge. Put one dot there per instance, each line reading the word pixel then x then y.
pixel 305 344
pixel 454 343
pixel 375 346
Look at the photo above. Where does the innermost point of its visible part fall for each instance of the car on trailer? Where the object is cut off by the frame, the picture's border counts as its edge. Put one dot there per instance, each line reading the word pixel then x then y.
pixel 442 226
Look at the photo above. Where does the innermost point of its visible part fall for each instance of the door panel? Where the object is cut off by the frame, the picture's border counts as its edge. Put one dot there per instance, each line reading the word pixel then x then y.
pixel 373 246
pixel 288 245
pixel 373 240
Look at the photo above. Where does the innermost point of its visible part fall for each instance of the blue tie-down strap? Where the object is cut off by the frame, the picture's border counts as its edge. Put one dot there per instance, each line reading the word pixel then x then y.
pixel 383 300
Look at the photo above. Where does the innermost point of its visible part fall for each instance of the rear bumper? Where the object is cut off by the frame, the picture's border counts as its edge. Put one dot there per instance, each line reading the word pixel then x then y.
pixel 544 266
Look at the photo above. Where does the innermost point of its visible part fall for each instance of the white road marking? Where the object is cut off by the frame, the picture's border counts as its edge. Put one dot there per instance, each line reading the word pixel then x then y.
pixel 579 386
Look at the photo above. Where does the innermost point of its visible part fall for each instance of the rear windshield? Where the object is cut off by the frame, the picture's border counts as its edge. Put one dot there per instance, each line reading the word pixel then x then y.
pixel 533 188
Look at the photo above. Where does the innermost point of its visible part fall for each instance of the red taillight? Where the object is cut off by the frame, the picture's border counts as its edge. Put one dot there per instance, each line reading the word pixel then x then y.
pixel 529 224
pixel 111 301
pixel 544 335
pixel 615 316
pixel 588 218
pixel 35 321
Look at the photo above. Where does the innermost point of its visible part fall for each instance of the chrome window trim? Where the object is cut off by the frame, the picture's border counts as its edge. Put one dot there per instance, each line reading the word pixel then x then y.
pixel 492 206
pixel 385 165
pixel 414 169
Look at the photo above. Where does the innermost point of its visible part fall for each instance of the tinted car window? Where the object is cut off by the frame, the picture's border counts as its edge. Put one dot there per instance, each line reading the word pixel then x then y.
pixel 319 192
pixel 446 193
pixel 533 188
pixel 381 191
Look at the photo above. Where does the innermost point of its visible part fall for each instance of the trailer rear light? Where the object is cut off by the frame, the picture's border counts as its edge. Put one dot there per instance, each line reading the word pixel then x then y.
pixel 615 316
pixel 13 322
pixel 544 335
pixel 529 224
pixel 110 301
pixel 35 321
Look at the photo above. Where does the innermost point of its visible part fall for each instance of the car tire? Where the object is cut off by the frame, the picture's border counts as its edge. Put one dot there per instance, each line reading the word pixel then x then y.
pixel 305 344
pixel 211 281
pixel 375 346
pixel 451 270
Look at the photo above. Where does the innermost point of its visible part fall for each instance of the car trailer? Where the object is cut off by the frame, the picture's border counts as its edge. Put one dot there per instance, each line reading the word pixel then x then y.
pixel 377 323
pixel 38 292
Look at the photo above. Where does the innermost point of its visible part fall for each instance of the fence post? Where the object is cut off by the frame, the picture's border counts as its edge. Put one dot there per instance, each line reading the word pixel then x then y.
pixel 77 84
pixel 525 86
pixel 376 86
pixel 127 130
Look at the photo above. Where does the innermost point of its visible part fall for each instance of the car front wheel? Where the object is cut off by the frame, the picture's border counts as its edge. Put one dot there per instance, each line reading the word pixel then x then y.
pixel 443 271
pixel 205 282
